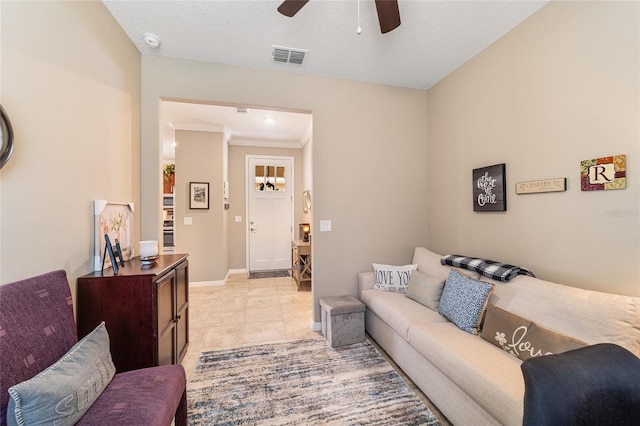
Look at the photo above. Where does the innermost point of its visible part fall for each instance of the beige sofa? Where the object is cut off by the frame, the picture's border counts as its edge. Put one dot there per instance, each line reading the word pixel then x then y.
pixel 470 380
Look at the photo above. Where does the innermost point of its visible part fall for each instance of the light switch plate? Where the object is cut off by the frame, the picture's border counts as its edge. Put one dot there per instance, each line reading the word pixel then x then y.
pixel 188 221
pixel 238 219
pixel 325 226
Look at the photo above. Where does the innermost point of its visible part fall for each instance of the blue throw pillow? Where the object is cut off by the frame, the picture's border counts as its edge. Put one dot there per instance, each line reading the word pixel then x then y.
pixel 62 393
pixel 464 300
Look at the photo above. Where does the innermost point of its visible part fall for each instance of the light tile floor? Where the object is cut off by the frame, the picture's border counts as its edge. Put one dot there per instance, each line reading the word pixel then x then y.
pixel 246 312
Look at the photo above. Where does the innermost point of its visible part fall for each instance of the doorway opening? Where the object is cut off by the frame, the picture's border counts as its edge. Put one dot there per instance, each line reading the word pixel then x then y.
pixel 246 130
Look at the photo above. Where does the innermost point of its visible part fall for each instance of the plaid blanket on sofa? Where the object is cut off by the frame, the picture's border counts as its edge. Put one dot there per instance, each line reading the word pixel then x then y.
pixel 489 268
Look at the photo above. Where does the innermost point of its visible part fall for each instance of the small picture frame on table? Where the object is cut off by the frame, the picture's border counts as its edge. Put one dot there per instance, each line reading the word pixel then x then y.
pixel 116 221
pixel 199 195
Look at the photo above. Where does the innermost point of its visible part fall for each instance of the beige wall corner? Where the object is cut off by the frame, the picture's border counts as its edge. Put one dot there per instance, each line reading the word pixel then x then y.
pixel 72 91
pixel 562 87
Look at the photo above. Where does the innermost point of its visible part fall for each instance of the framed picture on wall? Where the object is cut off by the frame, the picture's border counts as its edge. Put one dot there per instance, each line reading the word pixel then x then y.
pixel 199 195
pixel 489 189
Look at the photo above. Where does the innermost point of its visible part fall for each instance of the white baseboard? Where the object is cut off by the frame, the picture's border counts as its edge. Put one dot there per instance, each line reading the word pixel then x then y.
pixel 205 283
pixel 316 326
pixel 219 282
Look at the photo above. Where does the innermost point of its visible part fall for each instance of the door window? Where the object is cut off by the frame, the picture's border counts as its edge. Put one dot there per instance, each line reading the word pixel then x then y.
pixel 270 178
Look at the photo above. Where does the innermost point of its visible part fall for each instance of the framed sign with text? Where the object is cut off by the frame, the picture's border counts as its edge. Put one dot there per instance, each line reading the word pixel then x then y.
pixel 489 189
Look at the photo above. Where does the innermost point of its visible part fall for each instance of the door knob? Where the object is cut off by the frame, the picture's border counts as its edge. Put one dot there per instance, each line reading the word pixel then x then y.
pixel 252 229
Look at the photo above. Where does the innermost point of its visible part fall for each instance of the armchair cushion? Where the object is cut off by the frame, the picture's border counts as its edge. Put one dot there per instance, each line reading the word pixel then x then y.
pixel 594 385
pixel 36 329
pixel 63 392
pixel 149 396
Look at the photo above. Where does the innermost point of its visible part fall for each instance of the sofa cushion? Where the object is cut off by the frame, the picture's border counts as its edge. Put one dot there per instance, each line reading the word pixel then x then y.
pixel 590 316
pixel 392 278
pixel 464 300
pixel 429 263
pixel 425 289
pixel 522 338
pixel 397 310
pixel 63 392
pixel 487 374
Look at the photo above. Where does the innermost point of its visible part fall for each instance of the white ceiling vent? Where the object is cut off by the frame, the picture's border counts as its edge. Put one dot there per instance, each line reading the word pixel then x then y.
pixel 287 55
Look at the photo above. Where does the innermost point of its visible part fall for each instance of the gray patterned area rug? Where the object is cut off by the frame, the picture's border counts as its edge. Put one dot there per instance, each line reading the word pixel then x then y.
pixel 302 382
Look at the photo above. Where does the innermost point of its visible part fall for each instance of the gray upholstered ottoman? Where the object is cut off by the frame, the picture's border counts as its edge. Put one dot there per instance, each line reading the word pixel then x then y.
pixel 342 320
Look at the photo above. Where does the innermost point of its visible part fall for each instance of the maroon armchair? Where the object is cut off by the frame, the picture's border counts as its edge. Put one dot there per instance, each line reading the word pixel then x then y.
pixel 37 328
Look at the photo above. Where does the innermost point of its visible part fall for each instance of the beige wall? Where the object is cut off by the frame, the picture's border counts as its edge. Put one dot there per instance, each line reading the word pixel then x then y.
pixel 369 158
pixel 200 157
pixel 560 88
pixel 70 83
pixel 238 196
pixel 307 179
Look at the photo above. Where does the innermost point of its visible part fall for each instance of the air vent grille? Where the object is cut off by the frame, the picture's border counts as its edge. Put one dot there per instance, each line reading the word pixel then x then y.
pixel 242 110
pixel 287 55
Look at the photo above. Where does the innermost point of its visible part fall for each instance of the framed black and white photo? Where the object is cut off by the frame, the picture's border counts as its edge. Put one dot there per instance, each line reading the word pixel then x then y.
pixel 199 195
pixel 489 189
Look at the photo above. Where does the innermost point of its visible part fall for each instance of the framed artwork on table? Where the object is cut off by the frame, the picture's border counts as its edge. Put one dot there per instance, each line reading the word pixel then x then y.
pixel 489 189
pixel 116 221
pixel 199 195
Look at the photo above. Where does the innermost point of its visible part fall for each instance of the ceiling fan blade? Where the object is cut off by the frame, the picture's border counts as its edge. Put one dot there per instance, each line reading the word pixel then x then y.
pixel 388 15
pixel 291 7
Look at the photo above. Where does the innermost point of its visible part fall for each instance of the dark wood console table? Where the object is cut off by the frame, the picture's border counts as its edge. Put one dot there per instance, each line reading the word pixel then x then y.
pixel 145 309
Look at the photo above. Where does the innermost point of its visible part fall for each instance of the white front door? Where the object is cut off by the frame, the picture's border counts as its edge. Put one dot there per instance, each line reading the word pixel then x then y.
pixel 270 210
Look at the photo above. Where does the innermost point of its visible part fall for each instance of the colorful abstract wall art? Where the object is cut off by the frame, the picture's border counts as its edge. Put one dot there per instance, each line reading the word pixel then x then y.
pixel 604 173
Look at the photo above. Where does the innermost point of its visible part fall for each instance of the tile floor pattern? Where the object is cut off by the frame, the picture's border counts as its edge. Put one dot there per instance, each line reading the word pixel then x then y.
pixel 245 312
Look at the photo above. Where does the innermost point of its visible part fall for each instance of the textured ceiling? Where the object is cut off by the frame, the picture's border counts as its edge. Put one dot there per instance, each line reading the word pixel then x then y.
pixel 435 36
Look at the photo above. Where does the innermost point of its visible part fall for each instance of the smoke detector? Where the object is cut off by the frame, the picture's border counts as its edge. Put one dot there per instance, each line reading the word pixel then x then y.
pixel 288 55
pixel 151 40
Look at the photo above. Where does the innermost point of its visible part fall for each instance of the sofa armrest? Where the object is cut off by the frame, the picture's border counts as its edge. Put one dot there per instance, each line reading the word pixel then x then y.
pixel 366 280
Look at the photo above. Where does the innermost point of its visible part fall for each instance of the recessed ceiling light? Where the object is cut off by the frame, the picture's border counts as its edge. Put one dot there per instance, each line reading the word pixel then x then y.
pixel 269 120
pixel 151 40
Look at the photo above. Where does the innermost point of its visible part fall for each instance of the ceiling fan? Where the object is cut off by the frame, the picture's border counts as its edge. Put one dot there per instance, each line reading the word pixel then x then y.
pixel 388 12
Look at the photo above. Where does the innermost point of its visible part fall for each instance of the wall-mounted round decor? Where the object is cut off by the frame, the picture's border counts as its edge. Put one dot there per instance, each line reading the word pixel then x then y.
pixel 6 138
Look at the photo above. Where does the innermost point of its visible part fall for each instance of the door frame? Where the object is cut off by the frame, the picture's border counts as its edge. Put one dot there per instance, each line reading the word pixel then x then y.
pixel 246 195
